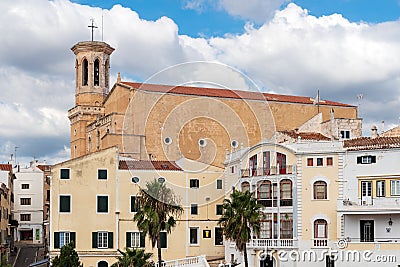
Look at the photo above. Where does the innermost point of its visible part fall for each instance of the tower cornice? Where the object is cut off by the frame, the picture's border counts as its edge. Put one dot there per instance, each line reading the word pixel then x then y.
pixel 94 46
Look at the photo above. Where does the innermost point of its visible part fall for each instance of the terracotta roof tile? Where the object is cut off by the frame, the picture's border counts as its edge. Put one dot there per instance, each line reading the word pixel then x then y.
pixel 44 167
pixel 368 143
pixel 6 167
pixel 148 165
pixel 306 135
pixel 226 93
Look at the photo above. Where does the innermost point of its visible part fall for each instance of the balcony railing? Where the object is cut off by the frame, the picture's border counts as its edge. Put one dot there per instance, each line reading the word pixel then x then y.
pixel 271 243
pixel 199 261
pixel 320 242
pixel 273 202
pixel 288 169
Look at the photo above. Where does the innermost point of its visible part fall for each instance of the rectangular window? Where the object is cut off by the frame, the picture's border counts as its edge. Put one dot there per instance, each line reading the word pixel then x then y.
pixel 102 239
pixel 345 134
pixel 366 159
pixel 135 240
pixel 194 238
pixel 163 239
pixel 329 161
pixel 310 162
pixel 320 161
pixel 219 209
pixel 194 183
pixel 287 225
pixel 25 217
pixel 24 186
pixel 380 188
pixel 65 204
pixel 102 174
pixel 232 169
pixel 194 209
pixel 102 204
pixel 64 173
pixel 218 236
pixel 135 203
pixel 63 238
pixel 25 201
pixel 395 187
pixel 219 184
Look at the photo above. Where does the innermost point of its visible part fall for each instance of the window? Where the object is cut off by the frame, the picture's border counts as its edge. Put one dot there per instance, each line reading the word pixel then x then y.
pixel 264 190
pixel 194 209
pixel 63 238
pixel 194 183
pixel 96 72
pixel 232 169
pixel 218 236
pixel 135 240
pixel 135 203
pixel 102 239
pixel 193 236
pixel 25 217
pixel 163 239
pixel 102 264
pixel 330 261
pixel 366 159
pixel 310 162
pixel 64 173
pixel 245 186
pixel 286 189
pixel 320 161
pixel 135 180
pixel 287 225
pixel 24 186
pixel 25 201
pixel 345 134
pixel 380 188
pixel 219 184
pixel 320 229
pixel 395 187
pixel 253 165
pixel 85 72
pixel 219 209
pixel 102 204
pixel 329 161
pixel 320 190
pixel 366 230
pixel 65 204
pixel 102 174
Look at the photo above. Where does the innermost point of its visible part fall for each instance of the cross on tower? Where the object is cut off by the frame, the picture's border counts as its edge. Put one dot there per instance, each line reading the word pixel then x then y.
pixel 92 26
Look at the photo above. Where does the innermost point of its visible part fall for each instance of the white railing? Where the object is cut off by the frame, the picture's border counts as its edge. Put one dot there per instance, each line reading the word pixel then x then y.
pixel 320 242
pixel 199 261
pixel 271 243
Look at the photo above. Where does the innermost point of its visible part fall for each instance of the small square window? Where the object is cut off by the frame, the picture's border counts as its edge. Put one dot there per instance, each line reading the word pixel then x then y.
pixel 194 209
pixel 65 204
pixel 102 204
pixel 24 186
pixel 310 162
pixel 345 134
pixel 25 217
pixel 219 184
pixel 219 209
pixel 25 201
pixel 320 161
pixel 194 183
pixel 64 173
pixel 329 161
pixel 102 174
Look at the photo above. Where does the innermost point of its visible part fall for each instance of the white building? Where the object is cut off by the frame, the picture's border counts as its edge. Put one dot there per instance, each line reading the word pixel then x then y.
pixel 28 203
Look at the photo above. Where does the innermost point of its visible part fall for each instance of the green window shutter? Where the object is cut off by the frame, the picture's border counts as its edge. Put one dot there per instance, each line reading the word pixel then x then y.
pixel 133 207
pixel 94 239
pixel 56 240
pixel 163 239
pixel 142 240
pixel 64 174
pixel 65 204
pixel 128 239
pixel 102 174
pixel 72 238
pixel 102 203
pixel 110 240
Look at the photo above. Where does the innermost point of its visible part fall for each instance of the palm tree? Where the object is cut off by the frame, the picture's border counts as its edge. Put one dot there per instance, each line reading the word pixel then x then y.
pixel 133 258
pixel 241 215
pixel 158 206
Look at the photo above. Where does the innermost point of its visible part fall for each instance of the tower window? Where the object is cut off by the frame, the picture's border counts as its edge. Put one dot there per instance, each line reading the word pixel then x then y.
pixel 85 72
pixel 96 73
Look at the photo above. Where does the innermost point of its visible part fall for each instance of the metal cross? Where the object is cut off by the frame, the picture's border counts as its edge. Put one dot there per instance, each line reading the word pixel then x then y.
pixel 92 26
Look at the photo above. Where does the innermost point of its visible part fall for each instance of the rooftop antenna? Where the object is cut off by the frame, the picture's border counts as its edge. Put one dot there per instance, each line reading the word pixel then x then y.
pixel 102 26
pixel 92 26
pixel 15 154
pixel 359 99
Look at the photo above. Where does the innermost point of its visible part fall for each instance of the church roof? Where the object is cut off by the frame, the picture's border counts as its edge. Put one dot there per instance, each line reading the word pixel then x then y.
pixel 148 165
pixel 369 143
pixel 227 93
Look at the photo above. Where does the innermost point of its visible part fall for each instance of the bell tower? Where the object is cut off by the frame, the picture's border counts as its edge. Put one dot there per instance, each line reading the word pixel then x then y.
pixel 92 69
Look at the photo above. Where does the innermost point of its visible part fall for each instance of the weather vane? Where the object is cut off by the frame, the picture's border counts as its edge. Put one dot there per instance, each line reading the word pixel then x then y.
pixel 92 26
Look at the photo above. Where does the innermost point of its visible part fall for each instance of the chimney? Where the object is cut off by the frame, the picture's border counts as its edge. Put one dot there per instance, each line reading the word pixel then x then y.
pixel 374 132
pixel 119 78
pixel 383 127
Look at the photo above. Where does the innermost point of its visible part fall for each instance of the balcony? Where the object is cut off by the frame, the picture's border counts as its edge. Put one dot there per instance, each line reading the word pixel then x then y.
pixel 274 170
pixel 374 205
pixel 320 242
pixel 272 243
pixel 273 202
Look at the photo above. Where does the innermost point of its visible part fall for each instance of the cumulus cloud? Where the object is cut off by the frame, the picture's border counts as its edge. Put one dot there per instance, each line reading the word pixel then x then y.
pixel 292 53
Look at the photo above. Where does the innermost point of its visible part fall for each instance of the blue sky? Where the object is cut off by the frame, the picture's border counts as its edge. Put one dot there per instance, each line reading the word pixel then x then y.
pixel 211 20
pixel 343 48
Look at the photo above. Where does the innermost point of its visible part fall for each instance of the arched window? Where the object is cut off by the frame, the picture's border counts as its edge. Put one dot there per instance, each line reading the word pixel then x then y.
pixel 320 228
pixel 85 74
pixel 89 144
pixel 320 190
pixel 106 73
pixel 286 189
pixel 98 139
pixel 96 73
pixel 76 74
pixel 102 264
pixel 245 186
pixel 264 190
